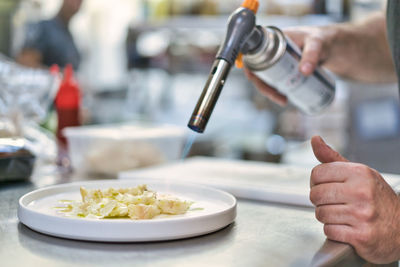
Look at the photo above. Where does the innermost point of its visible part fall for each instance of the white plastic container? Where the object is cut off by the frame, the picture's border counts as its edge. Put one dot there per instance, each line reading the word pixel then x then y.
pixel 109 149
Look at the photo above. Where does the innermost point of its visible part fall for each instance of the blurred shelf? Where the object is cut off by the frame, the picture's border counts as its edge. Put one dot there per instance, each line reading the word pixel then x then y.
pixel 219 22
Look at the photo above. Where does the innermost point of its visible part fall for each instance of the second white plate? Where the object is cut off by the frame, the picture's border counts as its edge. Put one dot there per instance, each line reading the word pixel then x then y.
pixel 212 210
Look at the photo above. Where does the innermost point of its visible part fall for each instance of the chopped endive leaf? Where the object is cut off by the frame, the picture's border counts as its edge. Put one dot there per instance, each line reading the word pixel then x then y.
pixel 136 203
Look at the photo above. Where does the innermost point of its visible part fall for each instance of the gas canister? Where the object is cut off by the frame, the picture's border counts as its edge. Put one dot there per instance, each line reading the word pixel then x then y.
pixel 276 62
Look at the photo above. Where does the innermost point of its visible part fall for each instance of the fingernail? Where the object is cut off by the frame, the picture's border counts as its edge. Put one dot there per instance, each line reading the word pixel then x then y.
pixel 306 68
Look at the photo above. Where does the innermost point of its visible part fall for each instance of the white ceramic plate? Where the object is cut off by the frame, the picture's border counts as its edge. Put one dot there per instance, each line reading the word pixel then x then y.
pixel 36 210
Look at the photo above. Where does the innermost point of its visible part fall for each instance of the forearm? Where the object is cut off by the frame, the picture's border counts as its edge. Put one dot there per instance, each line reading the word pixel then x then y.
pixel 361 51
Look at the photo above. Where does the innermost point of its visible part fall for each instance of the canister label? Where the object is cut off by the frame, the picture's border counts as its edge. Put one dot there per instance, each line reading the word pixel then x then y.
pixel 310 94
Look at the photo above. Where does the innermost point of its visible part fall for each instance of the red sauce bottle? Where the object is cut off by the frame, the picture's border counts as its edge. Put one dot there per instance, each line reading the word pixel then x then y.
pixel 67 103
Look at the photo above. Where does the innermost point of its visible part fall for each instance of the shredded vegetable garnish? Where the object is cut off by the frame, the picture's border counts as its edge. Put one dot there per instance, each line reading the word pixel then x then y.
pixel 136 203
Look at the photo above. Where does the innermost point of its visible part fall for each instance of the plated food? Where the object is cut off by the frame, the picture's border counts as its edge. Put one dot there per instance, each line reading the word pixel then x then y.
pixel 136 203
pixel 210 210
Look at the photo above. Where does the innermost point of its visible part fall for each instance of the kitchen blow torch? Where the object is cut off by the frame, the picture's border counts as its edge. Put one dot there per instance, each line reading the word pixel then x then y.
pixel 272 57
pixel 242 35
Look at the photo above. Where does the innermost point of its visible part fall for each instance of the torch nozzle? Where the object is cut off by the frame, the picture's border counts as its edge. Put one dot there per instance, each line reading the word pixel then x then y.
pixel 209 95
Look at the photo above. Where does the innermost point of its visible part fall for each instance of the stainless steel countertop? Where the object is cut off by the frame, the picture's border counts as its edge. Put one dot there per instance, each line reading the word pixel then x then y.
pixel 263 234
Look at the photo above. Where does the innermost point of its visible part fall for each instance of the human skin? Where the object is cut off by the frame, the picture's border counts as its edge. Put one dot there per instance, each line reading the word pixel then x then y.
pixel 356 205
pixel 353 201
pixel 357 51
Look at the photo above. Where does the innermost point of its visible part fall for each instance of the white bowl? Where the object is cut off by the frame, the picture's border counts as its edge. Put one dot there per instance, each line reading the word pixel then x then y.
pixel 109 149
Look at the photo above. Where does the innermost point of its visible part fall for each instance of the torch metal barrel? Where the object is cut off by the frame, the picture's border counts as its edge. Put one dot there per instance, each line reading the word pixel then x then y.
pixel 209 95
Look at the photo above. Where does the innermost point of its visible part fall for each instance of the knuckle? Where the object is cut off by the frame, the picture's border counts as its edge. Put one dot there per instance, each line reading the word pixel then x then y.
pixel 335 234
pixel 374 172
pixel 314 196
pixel 367 214
pixel 313 45
pixel 369 176
pixel 320 214
pixel 365 237
pixel 316 38
pixel 327 230
pixel 365 193
pixel 361 169
pixel 315 174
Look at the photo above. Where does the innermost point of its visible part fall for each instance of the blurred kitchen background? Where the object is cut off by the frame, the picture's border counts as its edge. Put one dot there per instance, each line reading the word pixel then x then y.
pixel 148 60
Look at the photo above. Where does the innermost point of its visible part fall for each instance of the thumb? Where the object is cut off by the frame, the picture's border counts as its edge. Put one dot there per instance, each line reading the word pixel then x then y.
pixel 323 152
